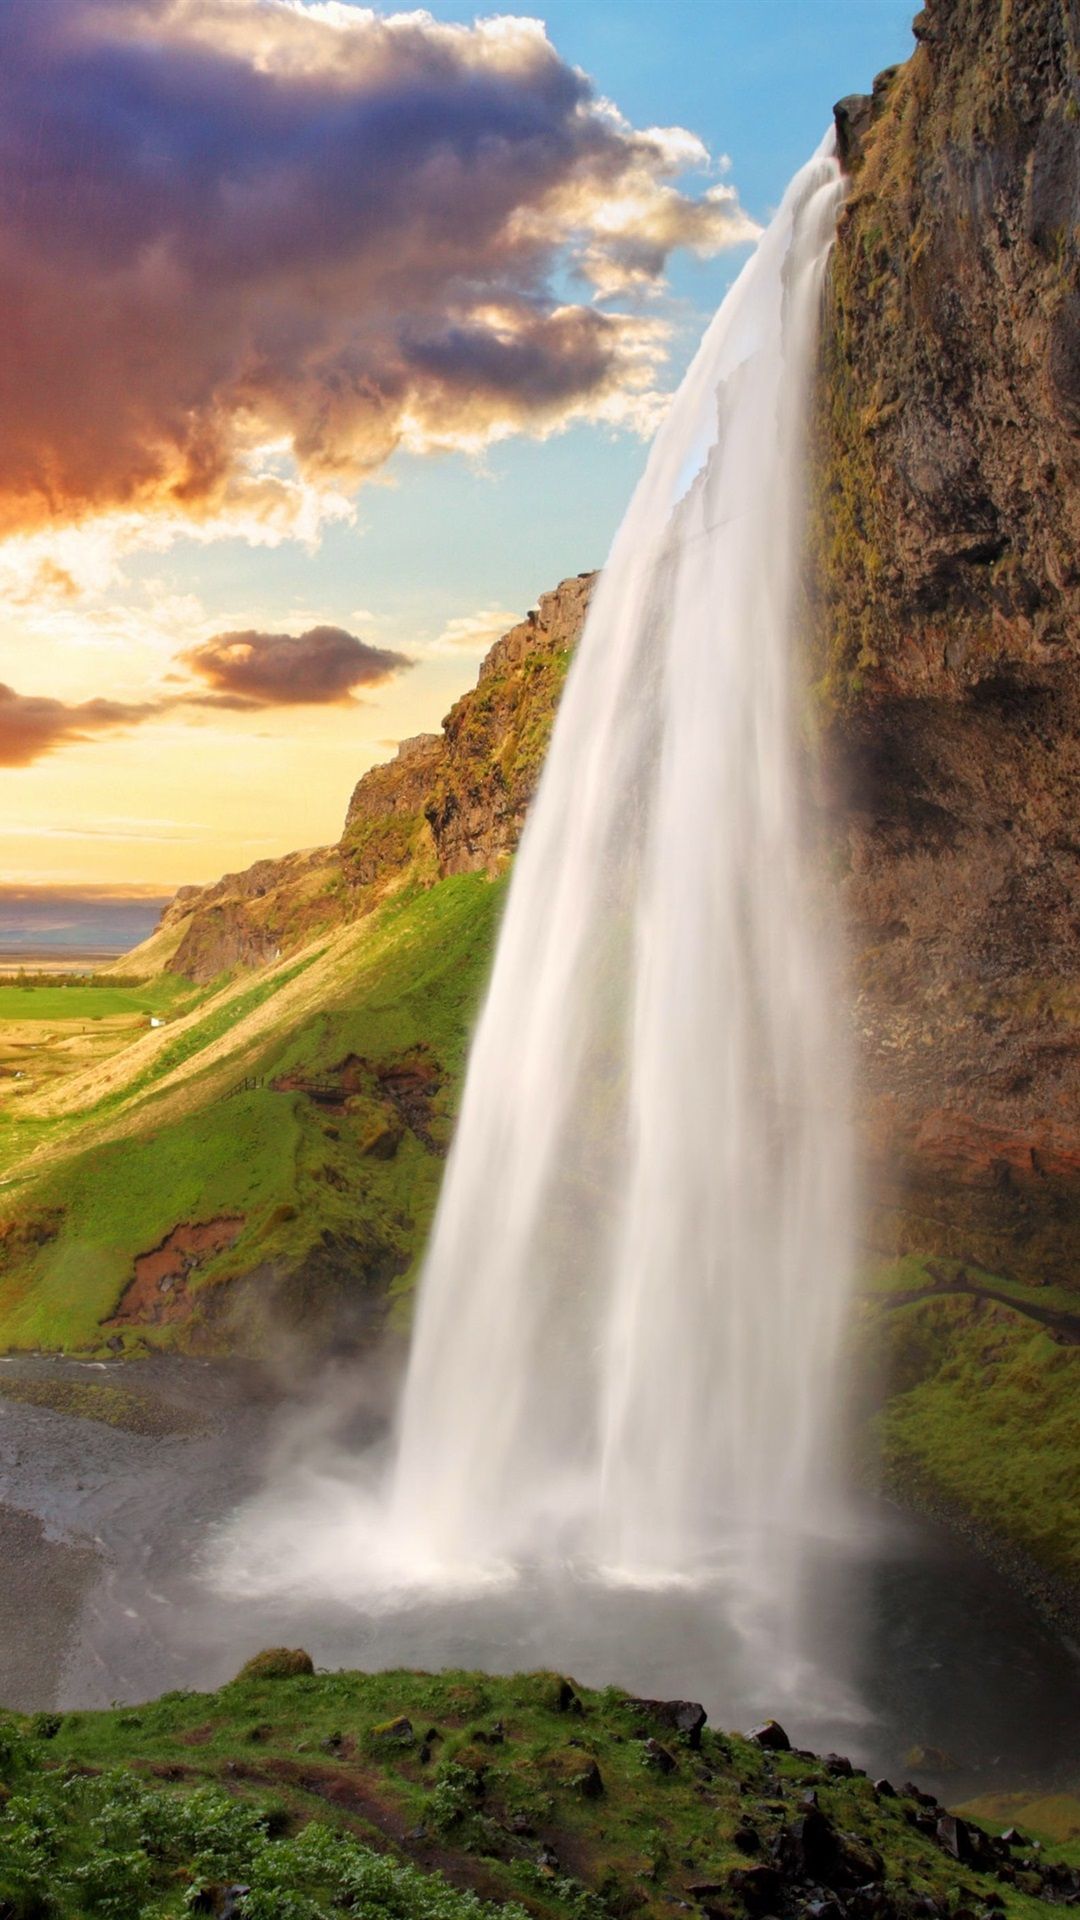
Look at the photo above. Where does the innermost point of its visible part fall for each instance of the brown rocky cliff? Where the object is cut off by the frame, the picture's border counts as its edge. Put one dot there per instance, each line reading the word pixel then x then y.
pixel 451 802
pixel 947 535
pixel 495 738
pixel 385 827
pixel 248 919
pixel 455 801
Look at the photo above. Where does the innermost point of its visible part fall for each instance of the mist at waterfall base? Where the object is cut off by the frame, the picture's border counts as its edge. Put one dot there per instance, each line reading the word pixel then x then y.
pixel 617 1448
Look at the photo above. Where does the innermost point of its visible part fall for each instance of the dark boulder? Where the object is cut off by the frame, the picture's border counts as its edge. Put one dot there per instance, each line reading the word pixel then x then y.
pixel 814 1849
pixel 966 1844
pixel 590 1784
pixel 1061 1883
pixel 770 1734
pixel 761 1889
pixel 687 1717
pixel 397 1732
pixel 853 116
pixel 911 1792
pixel 566 1699
pixel 658 1757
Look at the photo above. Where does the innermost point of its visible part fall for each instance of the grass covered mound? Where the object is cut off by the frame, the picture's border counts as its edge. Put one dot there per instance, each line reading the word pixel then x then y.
pixel 409 1795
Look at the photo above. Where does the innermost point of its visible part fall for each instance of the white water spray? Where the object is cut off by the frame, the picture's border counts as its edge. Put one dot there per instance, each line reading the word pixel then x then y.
pixel 624 1360
pixel 626 1338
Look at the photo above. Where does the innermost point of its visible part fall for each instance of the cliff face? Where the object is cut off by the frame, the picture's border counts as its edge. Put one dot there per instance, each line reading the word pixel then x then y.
pixel 497 736
pixel 946 531
pixel 246 919
pixel 447 803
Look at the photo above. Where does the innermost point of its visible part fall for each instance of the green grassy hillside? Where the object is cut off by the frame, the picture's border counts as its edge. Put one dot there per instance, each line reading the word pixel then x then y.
pixel 239 1128
pixel 308 1109
pixel 410 1795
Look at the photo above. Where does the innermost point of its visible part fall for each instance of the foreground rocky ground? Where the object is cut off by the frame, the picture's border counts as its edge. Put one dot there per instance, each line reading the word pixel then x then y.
pixel 295 1795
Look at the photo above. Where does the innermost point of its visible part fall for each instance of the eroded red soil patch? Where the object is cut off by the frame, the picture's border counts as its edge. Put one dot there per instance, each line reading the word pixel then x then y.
pixel 409 1085
pixel 160 1293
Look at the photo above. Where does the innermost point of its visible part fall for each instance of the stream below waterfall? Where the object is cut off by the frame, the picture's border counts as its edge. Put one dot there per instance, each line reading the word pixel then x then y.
pixel 922 1643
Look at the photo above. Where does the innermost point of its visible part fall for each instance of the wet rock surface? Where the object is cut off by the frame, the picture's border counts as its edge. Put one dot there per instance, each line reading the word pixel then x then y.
pixel 44 1584
pixel 946 536
pixel 686 1717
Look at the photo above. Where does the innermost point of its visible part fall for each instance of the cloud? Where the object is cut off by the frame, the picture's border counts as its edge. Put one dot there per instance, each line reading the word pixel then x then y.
pixel 312 669
pixel 32 725
pixel 244 672
pixel 471 634
pixel 113 827
pixel 36 893
pixel 250 247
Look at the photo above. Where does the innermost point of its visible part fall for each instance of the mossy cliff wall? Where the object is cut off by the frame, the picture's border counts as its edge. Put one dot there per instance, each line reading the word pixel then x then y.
pixel 946 560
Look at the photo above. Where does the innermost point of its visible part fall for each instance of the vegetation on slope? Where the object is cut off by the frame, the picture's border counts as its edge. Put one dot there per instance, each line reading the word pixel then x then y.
pixel 284 1130
pixel 312 1105
pixel 412 1795
pixel 979 1411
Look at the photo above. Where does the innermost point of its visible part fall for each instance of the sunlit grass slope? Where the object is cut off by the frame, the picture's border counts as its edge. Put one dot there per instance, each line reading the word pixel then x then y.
pixel 238 1110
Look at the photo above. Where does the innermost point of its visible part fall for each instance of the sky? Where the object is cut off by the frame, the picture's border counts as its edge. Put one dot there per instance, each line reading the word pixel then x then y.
pixel 333 337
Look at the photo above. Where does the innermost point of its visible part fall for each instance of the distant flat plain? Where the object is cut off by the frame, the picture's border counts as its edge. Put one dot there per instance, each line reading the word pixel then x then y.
pixel 16 960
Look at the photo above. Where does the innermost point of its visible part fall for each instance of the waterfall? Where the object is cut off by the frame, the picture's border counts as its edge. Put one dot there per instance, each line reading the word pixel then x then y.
pixel 624 1368
pixel 625 1349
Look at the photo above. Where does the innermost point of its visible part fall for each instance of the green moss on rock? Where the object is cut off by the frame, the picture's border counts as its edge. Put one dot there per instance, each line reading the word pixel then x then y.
pixel 277 1663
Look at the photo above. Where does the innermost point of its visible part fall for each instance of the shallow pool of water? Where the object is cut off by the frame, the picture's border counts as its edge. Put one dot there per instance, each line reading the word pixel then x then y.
pixel 917 1642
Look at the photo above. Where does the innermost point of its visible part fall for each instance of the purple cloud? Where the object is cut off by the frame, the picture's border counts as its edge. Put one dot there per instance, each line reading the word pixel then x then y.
pixel 226 224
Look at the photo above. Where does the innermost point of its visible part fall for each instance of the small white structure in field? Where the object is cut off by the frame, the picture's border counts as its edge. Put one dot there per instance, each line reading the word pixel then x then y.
pixel 156 1020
